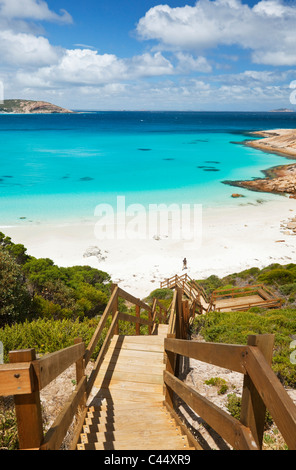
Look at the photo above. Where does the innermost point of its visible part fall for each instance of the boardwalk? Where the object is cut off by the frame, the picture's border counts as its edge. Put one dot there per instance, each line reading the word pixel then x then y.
pixel 128 402
pixel 127 411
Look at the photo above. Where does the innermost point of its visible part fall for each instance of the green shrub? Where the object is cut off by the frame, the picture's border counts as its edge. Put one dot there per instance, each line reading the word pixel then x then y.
pixel 219 383
pixel 234 405
pixel 15 299
pixel 8 425
pixel 280 276
pixel 235 327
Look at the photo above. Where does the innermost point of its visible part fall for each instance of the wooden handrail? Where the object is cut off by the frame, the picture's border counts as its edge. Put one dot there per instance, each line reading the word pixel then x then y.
pixel 52 365
pixel 222 355
pixel 228 427
pixel 252 362
pixel 98 332
pixel 26 376
pixel 273 394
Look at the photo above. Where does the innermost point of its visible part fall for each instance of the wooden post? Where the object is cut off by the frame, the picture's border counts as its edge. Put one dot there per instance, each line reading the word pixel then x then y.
pixel 28 408
pixel 170 367
pixel 138 332
pixel 115 308
pixel 253 409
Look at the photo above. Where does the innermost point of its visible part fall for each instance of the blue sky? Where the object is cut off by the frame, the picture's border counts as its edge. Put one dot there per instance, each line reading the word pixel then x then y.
pixel 144 54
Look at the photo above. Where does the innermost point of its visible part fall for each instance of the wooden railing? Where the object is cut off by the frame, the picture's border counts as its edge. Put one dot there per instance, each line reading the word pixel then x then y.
pixel 261 390
pixel 190 288
pixel 25 376
pixel 268 297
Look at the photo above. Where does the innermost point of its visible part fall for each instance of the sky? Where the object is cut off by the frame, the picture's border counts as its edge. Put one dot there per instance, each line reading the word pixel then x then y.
pixel 204 55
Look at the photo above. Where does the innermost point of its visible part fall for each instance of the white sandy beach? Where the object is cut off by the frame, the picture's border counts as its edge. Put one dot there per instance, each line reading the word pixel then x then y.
pixel 233 239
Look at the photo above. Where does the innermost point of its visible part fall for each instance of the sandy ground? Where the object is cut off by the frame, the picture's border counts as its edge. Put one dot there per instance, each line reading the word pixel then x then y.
pixel 230 240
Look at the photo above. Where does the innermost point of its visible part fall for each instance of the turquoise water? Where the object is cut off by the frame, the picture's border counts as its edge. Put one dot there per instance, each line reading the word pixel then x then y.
pixel 59 167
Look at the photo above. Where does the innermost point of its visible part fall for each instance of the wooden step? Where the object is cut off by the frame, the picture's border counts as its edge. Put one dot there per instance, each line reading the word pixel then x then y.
pixel 176 443
pixel 128 411
pixel 130 435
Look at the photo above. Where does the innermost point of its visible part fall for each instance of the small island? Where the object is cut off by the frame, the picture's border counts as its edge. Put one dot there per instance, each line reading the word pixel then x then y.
pixel 31 107
pixel 282 110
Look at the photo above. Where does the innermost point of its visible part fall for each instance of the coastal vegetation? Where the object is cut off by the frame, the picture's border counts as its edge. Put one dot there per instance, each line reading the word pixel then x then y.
pixel 46 307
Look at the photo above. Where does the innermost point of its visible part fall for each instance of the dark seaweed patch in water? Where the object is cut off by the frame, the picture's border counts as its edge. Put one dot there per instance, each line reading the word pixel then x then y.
pixel 197 141
pixel 169 159
pixel 145 150
pixel 208 168
pixel 209 161
pixel 5 176
pixel 86 178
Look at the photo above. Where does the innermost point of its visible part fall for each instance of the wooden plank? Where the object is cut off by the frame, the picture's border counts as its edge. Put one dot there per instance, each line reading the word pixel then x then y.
pixel 138 347
pixel 225 425
pixel 223 355
pixel 157 444
pixel 238 301
pixel 125 424
pixel 124 436
pixel 102 353
pixel 273 394
pixel 105 377
pixel 128 396
pixel 135 387
pixel 52 365
pixel 137 368
pixel 157 356
pixel 125 339
pixel 56 434
pixel 16 379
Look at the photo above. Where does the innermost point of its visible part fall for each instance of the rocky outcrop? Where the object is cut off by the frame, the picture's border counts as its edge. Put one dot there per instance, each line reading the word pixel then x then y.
pixel 280 179
pixel 31 107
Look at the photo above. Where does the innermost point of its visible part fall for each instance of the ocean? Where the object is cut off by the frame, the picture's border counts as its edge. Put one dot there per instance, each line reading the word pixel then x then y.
pixel 59 167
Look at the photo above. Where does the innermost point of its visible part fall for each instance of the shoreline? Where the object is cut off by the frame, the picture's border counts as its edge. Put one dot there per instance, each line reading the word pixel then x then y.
pixel 232 240
pixel 280 179
pixel 233 237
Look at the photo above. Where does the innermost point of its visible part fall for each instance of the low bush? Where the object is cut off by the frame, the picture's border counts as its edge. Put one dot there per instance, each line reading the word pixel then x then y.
pixel 235 327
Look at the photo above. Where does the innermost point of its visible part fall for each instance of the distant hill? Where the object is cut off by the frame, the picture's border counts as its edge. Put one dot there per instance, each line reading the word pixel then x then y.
pixel 282 110
pixel 30 107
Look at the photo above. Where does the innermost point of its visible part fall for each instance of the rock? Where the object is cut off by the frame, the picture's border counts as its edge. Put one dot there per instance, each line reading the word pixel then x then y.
pixel 237 195
pixel 291 225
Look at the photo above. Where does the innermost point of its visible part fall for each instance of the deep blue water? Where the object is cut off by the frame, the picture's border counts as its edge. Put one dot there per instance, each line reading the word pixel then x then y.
pixel 62 166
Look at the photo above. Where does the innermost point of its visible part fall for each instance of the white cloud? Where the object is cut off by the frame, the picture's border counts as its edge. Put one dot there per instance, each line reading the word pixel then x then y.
pixel 267 28
pixel 31 10
pixel 26 49
pixel 86 67
pixel 187 63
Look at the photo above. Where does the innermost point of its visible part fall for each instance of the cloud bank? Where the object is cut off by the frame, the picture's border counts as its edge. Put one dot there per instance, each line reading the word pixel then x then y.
pixel 186 49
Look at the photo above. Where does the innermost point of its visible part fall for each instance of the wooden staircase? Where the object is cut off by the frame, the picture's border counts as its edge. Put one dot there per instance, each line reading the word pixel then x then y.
pixel 126 411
